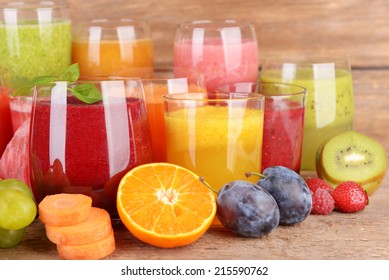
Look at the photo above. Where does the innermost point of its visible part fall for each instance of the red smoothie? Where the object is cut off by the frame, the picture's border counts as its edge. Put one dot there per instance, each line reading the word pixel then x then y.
pixel 80 148
pixel 5 120
pixel 283 134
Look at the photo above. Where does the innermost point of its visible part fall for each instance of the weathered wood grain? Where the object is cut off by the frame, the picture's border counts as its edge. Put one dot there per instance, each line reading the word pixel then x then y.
pixel 363 235
pixel 353 28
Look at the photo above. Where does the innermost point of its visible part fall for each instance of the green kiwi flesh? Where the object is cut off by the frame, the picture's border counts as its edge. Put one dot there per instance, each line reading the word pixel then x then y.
pixel 352 156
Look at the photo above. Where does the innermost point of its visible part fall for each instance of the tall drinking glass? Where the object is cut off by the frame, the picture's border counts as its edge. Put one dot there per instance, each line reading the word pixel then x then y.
pixel 155 89
pixel 225 51
pixel 283 122
pixel 107 47
pixel 329 108
pixel 218 136
pixel 86 148
pixel 36 41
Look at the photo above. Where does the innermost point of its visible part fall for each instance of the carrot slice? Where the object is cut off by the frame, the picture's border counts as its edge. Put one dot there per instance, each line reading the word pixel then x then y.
pixel 64 209
pixel 95 227
pixel 89 251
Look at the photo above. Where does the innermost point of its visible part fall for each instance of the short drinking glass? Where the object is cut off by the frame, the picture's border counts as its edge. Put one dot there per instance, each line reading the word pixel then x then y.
pixel 86 148
pixel 329 107
pixel 224 51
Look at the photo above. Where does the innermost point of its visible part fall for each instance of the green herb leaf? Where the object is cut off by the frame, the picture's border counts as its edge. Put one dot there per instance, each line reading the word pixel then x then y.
pixel 72 73
pixel 87 93
pixel 43 80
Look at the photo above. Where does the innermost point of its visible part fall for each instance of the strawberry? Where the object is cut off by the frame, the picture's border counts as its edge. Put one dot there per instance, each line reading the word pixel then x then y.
pixel 317 183
pixel 350 197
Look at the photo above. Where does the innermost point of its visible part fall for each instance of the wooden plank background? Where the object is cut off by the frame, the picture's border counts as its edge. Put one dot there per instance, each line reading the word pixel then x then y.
pixel 357 29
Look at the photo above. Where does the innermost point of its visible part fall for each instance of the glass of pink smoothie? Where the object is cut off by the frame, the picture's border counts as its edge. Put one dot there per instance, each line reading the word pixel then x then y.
pixel 224 51
pixel 283 121
pixel 87 148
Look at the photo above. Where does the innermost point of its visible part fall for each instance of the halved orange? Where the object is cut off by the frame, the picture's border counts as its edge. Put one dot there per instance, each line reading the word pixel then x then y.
pixel 165 205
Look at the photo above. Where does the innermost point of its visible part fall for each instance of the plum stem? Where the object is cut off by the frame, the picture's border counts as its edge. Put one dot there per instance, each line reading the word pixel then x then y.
pixel 248 174
pixel 202 180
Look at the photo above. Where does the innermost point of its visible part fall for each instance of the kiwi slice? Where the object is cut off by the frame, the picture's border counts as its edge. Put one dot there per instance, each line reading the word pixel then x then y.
pixel 352 156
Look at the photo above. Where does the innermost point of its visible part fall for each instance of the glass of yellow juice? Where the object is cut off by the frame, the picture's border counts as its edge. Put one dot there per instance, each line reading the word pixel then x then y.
pixel 216 135
pixel 329 107
pixel 112 47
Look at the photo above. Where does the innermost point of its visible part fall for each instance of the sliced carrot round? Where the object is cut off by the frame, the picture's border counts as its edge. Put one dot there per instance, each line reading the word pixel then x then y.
pixel 89 251
pixel 64 209
pixel 95 227
pixel 165 205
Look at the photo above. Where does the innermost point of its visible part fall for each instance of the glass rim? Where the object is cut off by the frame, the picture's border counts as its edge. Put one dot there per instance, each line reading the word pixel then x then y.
pixel 202 97
pixel 112 23
pixel 85 78
pixel 300 90
pixel 82 81
pixel 215 24
pixel 307 60
pixel 33 5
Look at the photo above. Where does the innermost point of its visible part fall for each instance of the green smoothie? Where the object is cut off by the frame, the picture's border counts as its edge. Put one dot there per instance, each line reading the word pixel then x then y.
pixel 29 49
pixel 329 108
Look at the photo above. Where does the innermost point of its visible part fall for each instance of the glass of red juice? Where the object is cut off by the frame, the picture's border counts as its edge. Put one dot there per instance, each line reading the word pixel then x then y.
pixel 87 148
pixel 5 120
pixel 283 121
pixel 224 51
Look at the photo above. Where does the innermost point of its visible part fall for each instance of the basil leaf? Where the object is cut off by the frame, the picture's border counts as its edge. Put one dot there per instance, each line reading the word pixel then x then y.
pixel 43 80
pixel 72 73
pixel 26 89
pixel 87 93
pixel 23 91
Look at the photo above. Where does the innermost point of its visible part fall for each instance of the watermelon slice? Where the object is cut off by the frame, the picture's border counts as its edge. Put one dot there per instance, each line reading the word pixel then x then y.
pixel 14 162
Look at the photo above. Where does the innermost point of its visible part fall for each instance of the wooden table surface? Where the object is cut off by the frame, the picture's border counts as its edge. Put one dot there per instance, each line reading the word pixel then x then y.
pixel 363 235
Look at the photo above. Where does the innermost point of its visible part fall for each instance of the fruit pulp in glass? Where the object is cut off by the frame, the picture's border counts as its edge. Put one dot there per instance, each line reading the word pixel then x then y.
pixel 329 107
pixel 220 63
pixel 282 134
pixel 219 143
pixel 131 58
pixel 91 152
pixel 154 100
pixel 35 51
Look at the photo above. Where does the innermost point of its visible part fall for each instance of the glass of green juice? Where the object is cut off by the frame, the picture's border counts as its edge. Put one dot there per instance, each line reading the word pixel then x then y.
pixel 329 107
pixel 36 41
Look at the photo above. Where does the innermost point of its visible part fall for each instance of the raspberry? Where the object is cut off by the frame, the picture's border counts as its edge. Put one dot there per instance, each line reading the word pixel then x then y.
pixel 322 202
pixel 350 197
pixel 317 183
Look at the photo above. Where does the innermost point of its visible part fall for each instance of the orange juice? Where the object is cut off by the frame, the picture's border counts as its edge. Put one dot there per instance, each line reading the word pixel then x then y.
pixel 219 143
pixel 155 89
pixel 131 58
pixel 157 131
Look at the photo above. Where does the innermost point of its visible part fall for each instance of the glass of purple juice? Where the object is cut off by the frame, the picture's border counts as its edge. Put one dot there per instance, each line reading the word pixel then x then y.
pixel 77 147
pixel 283 121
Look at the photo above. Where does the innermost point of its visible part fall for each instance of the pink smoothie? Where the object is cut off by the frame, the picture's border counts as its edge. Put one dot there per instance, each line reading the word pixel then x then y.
pixel 86 158
pixel 220 63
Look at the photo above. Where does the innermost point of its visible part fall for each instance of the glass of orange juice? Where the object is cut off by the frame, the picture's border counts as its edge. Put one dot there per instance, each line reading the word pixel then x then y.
pixel 107 47
pixel 216 135
pixel 161 84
